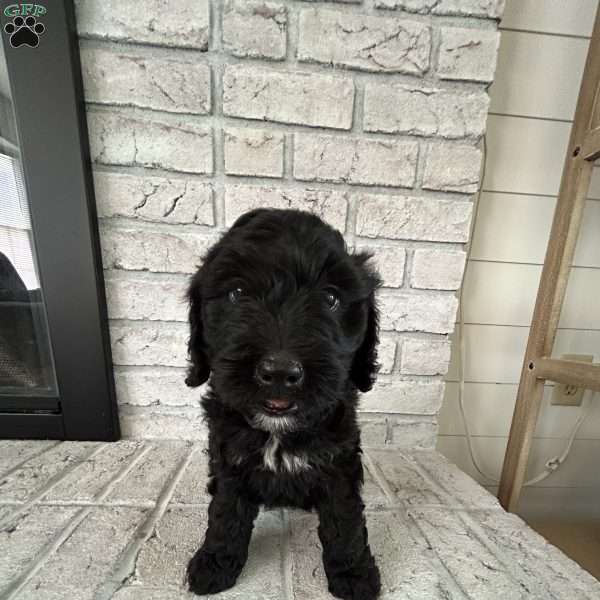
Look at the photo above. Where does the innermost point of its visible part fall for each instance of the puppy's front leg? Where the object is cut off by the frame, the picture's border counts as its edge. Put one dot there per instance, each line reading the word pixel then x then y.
pixel 349 565
pixel 216 565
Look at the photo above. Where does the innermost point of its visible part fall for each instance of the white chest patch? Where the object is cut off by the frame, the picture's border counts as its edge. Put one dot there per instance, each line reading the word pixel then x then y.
pixel 270 453
pixel 276 460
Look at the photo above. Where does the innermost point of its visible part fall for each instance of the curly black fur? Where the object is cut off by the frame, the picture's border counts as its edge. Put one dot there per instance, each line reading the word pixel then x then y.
pixel 281 283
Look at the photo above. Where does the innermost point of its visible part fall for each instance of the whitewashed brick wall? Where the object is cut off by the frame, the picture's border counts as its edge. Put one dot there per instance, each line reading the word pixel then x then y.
pixel 366 112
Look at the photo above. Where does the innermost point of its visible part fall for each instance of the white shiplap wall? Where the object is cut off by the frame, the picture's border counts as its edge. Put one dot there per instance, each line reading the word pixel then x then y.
pixel 542 54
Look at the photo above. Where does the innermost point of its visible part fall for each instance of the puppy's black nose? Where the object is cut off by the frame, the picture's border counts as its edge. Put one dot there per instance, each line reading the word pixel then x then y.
pixel 280 370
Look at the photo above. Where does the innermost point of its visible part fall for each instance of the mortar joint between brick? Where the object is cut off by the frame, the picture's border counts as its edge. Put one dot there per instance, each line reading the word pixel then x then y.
pixel 219 206
pixel 422 335
pixel 368 8
pixel 130 42
pixel 105 106
pixel 351 212
pixel 216 26
pixel 292 33
pixel 389 432
pixel 436 41
pixel 286 556
pixel 398 357
pixel 405 267
pixel 358 108
pixel 217 99
pixel 408 269
pixel 389 378
pixel 421 160
pixel 395 353
pixel 138 225
pixel 288 157
pixel 219 178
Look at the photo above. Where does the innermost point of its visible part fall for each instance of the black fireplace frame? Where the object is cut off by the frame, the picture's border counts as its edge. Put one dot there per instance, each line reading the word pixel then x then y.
pixel 50 112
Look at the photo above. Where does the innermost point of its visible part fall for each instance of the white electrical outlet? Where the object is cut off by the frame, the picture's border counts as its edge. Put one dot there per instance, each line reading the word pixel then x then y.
pixel 565 394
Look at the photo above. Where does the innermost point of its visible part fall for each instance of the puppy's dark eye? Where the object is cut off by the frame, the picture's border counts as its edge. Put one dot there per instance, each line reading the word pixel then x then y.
pixel 235 295
pixel 332 300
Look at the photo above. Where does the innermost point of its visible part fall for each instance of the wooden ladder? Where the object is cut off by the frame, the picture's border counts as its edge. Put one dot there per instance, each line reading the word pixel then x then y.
pixel 582 151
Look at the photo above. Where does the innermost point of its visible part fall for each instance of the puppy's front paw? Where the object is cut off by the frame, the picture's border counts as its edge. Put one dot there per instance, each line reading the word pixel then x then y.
pixel 207 575
pixel 358 583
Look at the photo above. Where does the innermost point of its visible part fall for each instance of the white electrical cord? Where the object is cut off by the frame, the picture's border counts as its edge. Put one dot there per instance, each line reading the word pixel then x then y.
pixel 551 465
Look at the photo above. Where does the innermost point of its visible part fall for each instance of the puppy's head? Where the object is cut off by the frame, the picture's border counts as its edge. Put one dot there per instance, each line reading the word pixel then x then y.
pixel 283 318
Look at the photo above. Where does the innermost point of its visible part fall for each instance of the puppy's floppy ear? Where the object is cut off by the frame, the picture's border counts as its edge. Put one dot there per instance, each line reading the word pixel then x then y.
pixel 199 369
pixel 364 365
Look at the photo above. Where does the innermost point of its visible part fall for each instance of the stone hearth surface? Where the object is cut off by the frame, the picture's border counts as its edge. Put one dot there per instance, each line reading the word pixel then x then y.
pixel 95 521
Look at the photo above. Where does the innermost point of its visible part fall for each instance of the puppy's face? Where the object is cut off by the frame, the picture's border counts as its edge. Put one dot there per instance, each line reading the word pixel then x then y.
pixel 282 318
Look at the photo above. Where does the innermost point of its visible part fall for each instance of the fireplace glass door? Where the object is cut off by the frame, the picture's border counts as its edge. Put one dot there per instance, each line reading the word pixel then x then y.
pixel 56 378
pixel 26 365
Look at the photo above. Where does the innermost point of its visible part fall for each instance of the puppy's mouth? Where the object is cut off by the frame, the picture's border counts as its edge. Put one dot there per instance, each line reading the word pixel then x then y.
pixel 279 406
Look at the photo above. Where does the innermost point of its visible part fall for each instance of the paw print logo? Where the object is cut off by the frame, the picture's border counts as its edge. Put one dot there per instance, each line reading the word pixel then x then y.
pixel 24 32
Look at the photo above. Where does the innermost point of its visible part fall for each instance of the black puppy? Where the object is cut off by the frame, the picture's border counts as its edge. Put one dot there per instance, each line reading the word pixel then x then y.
pixel 284 321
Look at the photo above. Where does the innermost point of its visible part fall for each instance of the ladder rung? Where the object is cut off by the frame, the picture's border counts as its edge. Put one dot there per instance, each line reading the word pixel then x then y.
pixel 570 372
pixel 591 145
